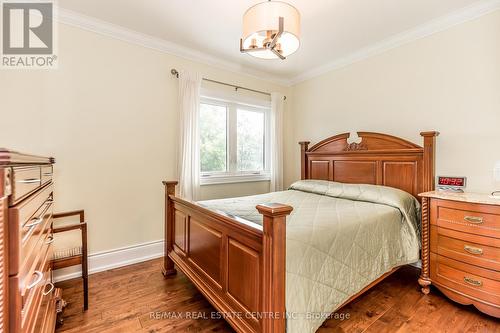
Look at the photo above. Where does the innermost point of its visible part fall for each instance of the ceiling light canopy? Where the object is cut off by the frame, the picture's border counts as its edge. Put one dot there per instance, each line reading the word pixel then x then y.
pixel 271 30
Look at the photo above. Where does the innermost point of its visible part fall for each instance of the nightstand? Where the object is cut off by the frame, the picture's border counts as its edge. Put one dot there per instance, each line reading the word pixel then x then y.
pixel 461 248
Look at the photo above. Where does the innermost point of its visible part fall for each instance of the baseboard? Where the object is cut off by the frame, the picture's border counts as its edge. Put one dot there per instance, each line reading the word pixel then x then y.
pixel 103 261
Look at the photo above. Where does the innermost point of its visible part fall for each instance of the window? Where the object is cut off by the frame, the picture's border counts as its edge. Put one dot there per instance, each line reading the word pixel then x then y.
pixel 213 130
pixel 250 140
pixel 233 142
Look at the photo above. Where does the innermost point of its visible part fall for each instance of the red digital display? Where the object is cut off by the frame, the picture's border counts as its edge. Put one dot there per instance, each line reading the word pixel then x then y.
pixel 451 181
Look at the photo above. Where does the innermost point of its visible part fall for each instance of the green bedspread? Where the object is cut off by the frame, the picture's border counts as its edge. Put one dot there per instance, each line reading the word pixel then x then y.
pixel 340 238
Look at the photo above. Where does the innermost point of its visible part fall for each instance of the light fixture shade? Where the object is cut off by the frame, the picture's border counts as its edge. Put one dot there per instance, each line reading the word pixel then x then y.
pixel 264 17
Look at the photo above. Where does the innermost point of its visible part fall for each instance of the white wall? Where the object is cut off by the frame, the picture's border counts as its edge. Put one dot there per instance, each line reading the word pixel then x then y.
pixel 449 82
pixel 109 117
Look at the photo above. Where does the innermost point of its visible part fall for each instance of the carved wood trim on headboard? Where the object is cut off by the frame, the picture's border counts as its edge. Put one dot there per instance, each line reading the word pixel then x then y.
pixel 380 159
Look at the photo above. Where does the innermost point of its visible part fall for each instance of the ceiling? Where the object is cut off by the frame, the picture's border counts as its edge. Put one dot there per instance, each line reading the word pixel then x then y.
pixel 331 29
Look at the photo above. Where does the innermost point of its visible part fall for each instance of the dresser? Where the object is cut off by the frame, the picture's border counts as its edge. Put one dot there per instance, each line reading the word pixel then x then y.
pixel 461 248
pixel 28 297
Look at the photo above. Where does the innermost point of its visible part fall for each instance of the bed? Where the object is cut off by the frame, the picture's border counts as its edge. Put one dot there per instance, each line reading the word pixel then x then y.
pixel 353 221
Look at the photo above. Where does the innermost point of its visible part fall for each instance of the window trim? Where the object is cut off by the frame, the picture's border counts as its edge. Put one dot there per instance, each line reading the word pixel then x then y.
pixel 232 175
pixel 234 178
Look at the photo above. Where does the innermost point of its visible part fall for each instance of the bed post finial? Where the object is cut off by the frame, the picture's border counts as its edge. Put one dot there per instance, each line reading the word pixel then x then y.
pixel 304 146
pixel 168 265
pixel 429 160
pixel 274 265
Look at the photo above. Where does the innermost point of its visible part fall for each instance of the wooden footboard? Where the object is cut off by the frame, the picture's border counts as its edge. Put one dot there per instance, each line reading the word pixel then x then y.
pixel 238 265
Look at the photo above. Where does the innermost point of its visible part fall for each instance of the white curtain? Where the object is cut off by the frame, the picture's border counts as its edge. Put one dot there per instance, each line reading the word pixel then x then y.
pixel 277 106
pixel 189 152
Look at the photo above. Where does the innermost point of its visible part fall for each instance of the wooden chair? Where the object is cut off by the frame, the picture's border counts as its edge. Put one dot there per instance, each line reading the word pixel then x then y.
pixel 75 256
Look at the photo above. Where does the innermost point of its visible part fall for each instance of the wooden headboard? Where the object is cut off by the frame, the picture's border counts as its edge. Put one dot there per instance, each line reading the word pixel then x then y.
pixel 379 159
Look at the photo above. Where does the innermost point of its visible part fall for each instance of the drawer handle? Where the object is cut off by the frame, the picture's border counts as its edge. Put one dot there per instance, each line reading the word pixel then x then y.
pixel 51 240
pixel 39 277
pixel 472 282
pixel 48 174
pixel 473 250
pixel 29 181
pixel 474 219
pixel 37 221
pixel 45 293
pixel 31 226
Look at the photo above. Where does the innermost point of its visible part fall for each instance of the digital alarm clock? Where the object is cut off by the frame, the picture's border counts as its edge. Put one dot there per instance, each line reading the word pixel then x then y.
pixel 456 184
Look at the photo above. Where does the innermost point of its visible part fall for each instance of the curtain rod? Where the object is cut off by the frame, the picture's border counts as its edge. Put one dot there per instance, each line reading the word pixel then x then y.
pixel 175 72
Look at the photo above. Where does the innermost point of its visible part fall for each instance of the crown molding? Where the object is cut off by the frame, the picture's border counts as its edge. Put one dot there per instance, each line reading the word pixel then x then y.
pixel 437 25
pixel 95 25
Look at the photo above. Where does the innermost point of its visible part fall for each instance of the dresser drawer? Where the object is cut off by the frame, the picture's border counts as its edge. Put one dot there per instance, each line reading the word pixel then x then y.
pixel 49 322
pixel 30 262
pixel 479 283
pixel 46 174
pixel 37 312
pixel 476 219
pixel 25 180
pixel 469 248
pixel 29 221
pixel 26 291
pixel 30 276
pixel 43 315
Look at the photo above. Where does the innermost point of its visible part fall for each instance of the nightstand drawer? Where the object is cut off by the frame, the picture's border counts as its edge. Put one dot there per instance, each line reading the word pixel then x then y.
pixel 476 219
pixel 469 280
pixel 468 248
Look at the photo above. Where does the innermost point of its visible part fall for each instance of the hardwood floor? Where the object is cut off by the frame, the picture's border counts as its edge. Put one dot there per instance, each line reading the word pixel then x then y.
pixel 137 298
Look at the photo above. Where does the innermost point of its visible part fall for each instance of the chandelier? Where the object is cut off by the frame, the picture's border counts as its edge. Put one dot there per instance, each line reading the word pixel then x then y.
pixel 271 30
